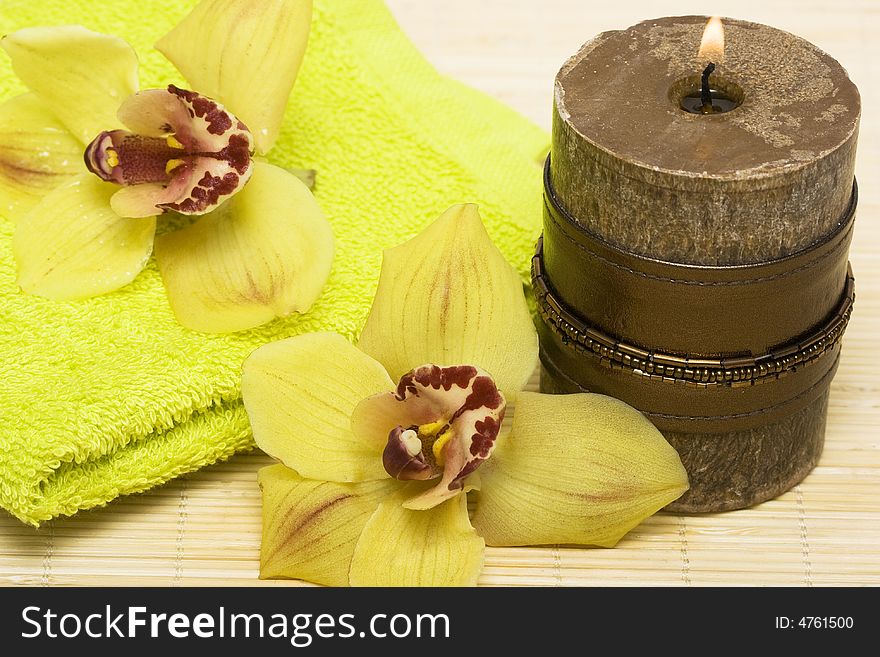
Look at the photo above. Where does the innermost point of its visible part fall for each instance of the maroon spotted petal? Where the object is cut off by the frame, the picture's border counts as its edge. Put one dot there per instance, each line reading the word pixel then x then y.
pixel 206 160
pixel 459 409
pixel 475 422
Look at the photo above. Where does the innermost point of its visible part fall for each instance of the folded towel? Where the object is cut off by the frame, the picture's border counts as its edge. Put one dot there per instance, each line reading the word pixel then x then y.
pixel 111 396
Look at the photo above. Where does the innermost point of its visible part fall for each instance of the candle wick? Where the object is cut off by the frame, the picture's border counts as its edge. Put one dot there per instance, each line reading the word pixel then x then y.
pixel 705 91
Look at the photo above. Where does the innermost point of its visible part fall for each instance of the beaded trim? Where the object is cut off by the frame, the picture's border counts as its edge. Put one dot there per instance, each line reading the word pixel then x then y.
pixel 695 371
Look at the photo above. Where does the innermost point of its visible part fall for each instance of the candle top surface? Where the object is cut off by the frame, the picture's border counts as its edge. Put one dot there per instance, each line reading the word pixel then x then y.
pixel 621 92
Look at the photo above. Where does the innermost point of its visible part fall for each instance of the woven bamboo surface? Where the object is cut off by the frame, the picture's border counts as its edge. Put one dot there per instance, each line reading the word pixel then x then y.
pixel 204 529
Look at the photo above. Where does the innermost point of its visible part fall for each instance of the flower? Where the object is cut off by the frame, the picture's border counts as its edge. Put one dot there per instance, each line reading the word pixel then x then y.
pixel 87 162
pixel 374 475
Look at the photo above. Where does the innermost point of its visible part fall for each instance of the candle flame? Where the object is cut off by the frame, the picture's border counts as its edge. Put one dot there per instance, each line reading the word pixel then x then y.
pixel 712 44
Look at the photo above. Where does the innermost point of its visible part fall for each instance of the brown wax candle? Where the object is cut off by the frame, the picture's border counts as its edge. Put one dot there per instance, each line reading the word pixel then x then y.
pixel 693 264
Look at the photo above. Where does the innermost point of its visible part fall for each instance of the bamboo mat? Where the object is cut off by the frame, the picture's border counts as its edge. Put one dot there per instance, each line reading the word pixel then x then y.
pixel 204 529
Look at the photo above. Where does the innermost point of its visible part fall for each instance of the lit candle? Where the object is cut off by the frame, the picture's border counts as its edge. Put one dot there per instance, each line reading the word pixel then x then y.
pixel 707 100
pixel 699 209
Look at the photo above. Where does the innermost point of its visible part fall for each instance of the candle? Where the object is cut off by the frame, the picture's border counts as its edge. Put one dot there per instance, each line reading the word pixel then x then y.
pixel 699 209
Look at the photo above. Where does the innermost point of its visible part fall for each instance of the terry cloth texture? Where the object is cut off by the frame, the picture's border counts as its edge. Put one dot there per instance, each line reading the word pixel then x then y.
pixel 111 396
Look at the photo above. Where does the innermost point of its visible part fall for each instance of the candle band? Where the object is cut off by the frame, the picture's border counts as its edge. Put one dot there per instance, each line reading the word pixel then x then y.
pixel 697 370
pixel 716 333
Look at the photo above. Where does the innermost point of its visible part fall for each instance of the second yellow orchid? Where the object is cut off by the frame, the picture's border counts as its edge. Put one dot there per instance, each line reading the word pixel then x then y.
pixel 85 224
pixel 381 443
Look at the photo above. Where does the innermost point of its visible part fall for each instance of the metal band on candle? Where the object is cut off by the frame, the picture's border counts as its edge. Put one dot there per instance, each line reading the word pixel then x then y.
pixel 695 370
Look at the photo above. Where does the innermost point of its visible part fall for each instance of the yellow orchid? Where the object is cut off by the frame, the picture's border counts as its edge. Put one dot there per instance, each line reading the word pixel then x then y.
pixel 374 476
pixel 87 162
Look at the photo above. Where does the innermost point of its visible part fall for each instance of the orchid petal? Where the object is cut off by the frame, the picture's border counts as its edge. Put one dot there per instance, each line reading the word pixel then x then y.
pixel 425 395
pixel 441 423
pixel 200 124
pixel 82 76
pixel 245 54
pixel 185 153
pixel 402 547
pixel 72 245
pixel 471 412
pixel 477 412
pixel 582 469
pixel 299 394
pixel 448 296
pixel 37 154
pixel 153 113
pixel 138 200
pixel 310 528
pixel 263 254
pixel 197 186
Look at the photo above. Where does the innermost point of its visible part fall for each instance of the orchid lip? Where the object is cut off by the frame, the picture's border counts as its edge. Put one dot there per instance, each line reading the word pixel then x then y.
pixel 124 158
pixel 187 150
pixel 456 414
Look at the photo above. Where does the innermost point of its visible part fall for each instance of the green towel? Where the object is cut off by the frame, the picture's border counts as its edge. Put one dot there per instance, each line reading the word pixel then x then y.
pixel 110 396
